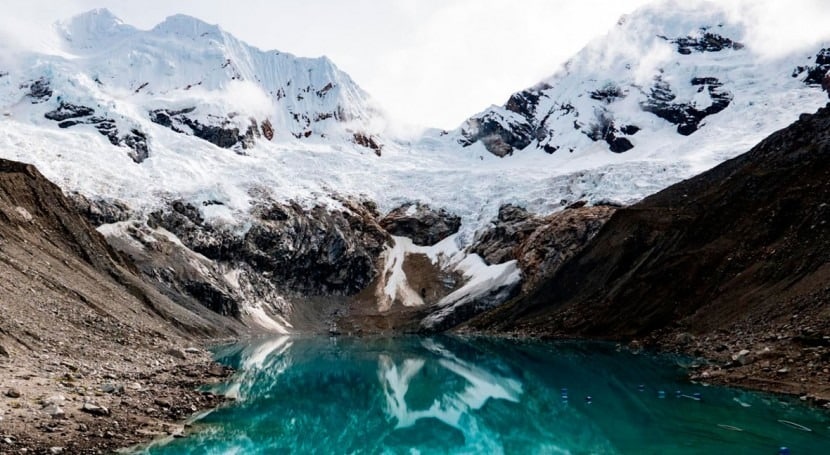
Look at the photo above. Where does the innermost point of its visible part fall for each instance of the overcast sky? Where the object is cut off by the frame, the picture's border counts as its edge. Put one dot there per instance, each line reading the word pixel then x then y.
pixel 427 62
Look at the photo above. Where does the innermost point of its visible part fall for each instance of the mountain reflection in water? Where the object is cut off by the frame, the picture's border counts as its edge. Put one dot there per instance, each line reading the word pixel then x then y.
pixel 482 395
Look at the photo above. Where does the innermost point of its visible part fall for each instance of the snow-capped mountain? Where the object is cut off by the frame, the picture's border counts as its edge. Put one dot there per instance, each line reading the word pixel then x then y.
pixel 666 77
pixel 238 176
pixel 190 77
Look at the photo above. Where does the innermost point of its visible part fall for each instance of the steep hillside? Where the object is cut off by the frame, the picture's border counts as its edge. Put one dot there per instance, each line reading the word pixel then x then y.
pixel 75 316
pixel 739 254
pixel 254 180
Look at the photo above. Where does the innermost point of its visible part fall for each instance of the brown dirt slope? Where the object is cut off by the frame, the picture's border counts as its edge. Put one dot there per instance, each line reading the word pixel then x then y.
pixel 75 317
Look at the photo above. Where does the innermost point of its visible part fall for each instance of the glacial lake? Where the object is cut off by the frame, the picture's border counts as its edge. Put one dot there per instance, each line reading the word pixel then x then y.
pixel 417 395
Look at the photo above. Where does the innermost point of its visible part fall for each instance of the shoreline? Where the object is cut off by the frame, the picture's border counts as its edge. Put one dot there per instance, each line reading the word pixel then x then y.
pixel 168 395
pixel 66 406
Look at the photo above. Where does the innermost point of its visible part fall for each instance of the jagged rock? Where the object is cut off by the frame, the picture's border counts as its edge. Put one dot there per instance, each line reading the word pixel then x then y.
pixel 368 141
pixel 419 222
pixel 498 243
pixel 101 211
pixel 222 134
pixel 524 103
pixel 686 116
pixel 310 250
pixel 317 250
pixel 819 73
pixel 137 141
pixel 117 389
pixel 70 115
pixel 460 311
pixel 604 129
pixel 706 42
pixel 742 357
pixel 54 411
pixel 501 131
pixel 267 129
pixel 94 409
pixel 67 111
pixel 608 93
pixel 540 244
pixel 40 90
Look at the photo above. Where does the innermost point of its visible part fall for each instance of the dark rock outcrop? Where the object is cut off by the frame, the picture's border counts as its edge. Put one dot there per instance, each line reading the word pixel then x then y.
pixel 67 111
pixel 219 131
pixel 706 42
pixel 501 133
pixel 40 91
pixel 745 244
pixel 421 223
pixel 368 141
pixel 819 73
pixel 540 244
pixel 100 211
pixel 604 129
pixel 313 251
pixel 686 116
pixel 505 130
pixel 69 115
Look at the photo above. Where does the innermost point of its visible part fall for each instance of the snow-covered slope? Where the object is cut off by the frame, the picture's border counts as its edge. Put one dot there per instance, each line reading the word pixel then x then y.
pixel 188 76
pixel 186 112
pixel 674 80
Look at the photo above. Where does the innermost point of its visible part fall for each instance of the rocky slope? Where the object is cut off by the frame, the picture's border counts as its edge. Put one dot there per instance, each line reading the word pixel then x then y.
pixel 732 263
pixel 86 345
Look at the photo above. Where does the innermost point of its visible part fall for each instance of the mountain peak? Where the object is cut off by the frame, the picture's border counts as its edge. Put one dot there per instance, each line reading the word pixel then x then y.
pixel 182 24
pixel 85 29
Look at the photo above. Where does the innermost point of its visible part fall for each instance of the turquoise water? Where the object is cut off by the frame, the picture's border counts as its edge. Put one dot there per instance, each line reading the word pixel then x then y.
pixel 412 395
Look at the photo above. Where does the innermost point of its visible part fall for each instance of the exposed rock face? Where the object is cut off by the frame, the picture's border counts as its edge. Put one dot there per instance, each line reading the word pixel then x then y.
pixel 705 42
pixel 500 132
pixel 99 211
pixel 314 251
pixel 686 116
pixel 221 132
pixel 368 141
pixel 465 309
pixel 540 244
pixel 507 129
pixel 419 222
pixel 604 129
pixel 190 278
pixel 819 73
pixel 69 115
pixel 67 111
pixel 745 244
pixel 40 90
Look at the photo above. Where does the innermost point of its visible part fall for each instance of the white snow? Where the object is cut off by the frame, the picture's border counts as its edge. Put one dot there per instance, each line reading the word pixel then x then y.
pixel 184 62
pixel 396 287
pixel 481 278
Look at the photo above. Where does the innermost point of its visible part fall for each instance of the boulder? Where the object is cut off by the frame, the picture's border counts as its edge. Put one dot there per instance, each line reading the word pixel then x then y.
pixel 421 223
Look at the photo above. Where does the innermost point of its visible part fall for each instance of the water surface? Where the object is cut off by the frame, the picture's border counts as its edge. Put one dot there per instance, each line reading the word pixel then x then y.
pixel 410 395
